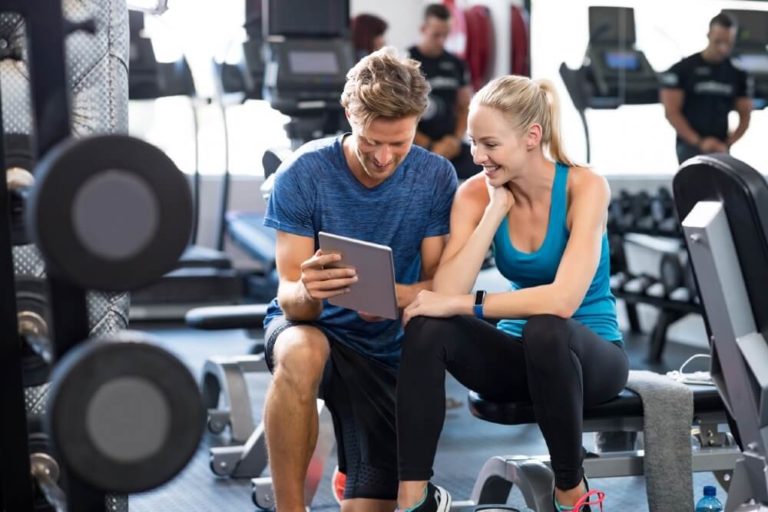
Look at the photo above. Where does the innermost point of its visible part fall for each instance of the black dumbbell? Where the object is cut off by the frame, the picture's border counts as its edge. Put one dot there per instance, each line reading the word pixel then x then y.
pixel 617 281
pixel 662 205
pixel 619 212
pixel 663 212
pixel 125 415
pixel 671 274
pixel 638 284
pixel 671 226
pixel 655 289
pixel 641 211
pixel 113 213
pixel 618 259
pixel 690 282
pixel 109 212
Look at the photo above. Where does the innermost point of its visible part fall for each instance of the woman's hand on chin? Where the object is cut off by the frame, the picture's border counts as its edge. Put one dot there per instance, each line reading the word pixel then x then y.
pixel 501 198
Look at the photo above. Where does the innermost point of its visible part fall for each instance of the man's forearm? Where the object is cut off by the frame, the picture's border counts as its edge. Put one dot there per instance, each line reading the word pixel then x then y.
pixel 461 123
pixel 683 128
pixel 406 293
pixel 739 132
pixel 296 302
pixel 422 140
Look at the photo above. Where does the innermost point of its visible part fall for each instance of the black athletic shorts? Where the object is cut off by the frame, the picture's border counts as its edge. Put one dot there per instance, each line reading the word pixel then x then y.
pixel 360 394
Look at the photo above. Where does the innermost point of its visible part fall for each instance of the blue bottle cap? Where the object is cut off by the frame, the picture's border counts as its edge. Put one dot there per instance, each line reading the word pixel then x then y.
pixel 710 490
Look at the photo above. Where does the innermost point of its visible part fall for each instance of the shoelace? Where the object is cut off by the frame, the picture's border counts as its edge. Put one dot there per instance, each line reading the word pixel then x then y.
pixel 584 501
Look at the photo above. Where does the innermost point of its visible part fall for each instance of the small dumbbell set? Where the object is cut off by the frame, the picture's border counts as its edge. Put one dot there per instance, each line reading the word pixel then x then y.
pixel 649 263
pixel 114 413
pixel 644 213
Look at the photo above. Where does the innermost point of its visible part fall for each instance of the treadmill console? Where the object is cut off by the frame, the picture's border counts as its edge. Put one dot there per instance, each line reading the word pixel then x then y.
pixel 750 52
pixel 304 74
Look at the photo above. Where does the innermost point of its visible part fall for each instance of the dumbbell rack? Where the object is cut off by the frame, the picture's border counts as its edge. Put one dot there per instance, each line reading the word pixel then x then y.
pixel 670 310
pixel 46 29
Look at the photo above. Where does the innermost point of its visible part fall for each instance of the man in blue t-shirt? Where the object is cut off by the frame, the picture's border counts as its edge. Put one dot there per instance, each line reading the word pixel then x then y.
pixel 374 185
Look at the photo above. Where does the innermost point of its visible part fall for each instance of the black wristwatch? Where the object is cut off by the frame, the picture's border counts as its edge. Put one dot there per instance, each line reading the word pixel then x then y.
pixel 479 301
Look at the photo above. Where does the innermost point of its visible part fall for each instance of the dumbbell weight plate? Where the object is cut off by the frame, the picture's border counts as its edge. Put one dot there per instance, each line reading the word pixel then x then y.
pixel 671 272
pixel 616 251
pixel 662 205
pixel 109 212
pixel 637 285
pixel 125 415
pixel 690 282
pixel 655 290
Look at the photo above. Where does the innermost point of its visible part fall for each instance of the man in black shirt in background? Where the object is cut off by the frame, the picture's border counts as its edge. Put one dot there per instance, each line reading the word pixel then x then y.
pixel 699 92
pixel 444 124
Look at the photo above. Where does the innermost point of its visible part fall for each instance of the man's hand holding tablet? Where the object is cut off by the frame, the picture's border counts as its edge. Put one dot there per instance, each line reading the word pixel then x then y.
pixel 322 280
pixel 373 293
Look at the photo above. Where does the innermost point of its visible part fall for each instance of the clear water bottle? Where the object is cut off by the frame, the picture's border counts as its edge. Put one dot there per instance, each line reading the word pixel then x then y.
pixel 709 503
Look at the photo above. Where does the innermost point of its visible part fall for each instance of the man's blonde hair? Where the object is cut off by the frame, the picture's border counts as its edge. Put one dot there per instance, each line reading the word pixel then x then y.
pixel 384 85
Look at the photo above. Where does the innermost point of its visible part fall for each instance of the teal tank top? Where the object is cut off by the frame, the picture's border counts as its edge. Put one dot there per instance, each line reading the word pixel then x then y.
pixel 524 270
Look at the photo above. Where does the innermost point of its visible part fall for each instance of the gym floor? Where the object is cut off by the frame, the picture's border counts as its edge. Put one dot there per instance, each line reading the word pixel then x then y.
pixel 465 445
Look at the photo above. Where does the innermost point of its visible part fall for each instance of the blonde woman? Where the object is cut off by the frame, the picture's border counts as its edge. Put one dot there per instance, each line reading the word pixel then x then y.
pixel 557 342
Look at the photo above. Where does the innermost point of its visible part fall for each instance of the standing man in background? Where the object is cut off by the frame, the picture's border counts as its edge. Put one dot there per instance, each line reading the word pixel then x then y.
pixel 699 92
pixel 444 124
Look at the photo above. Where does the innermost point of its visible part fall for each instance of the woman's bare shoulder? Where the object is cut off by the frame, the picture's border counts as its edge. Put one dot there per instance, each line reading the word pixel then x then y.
pixel 586 180
pixel 474 192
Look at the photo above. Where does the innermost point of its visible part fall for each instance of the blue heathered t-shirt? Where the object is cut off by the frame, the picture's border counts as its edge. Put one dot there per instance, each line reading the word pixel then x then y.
pixel 316 191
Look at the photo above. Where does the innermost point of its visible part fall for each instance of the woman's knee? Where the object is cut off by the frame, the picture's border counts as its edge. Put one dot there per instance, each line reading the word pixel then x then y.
pixel 546 331
pixel 426 334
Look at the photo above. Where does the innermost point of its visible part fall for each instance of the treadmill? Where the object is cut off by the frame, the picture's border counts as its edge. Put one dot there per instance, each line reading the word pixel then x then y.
pixel 750 52
pixel 614 71
pixel 204 275
pixel 307 53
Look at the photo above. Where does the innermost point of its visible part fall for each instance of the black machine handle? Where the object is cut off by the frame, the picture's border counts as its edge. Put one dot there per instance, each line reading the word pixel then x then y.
pixel 216 318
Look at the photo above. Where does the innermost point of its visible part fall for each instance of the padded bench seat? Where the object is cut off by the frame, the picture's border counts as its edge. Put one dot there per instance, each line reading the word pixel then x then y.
pixel 706 399
pixel 247 230
pixel 533 476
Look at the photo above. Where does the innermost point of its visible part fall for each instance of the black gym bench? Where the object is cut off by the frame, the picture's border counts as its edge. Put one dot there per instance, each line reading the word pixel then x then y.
pixel 623 413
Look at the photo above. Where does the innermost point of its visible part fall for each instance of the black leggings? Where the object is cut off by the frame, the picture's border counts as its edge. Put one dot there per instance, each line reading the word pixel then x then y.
pixel 559 365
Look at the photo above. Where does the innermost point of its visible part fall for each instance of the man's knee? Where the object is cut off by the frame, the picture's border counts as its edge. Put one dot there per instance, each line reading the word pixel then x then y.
pixel 300 356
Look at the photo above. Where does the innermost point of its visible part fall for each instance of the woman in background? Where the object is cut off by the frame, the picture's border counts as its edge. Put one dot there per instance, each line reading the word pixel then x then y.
pixel 367 34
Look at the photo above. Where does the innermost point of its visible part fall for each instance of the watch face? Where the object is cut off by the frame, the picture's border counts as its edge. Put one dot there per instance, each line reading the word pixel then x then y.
pixel 479 297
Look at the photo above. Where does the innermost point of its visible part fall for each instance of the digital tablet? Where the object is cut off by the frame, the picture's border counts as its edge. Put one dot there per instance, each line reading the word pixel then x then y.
pixel 374 292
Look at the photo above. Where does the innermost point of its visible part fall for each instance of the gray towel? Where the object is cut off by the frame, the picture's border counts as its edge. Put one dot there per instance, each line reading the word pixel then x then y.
pixel 668 465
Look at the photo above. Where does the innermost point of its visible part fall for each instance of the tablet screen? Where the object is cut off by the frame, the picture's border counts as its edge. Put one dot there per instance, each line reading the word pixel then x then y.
pixel 374 292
